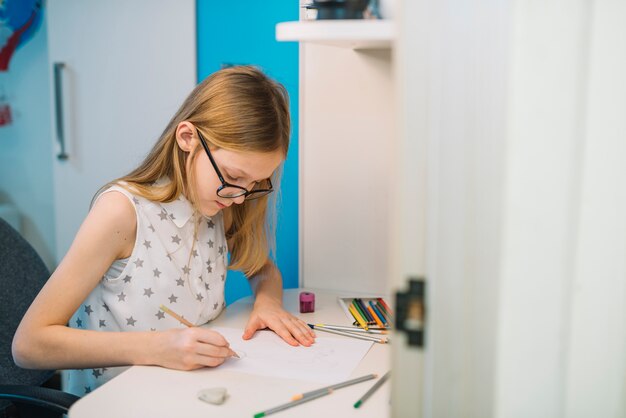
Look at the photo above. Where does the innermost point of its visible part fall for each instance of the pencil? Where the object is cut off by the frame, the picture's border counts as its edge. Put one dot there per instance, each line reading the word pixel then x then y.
pixel 361 305
pixel 175 316
pixel 385 306
pixel 381 340
pixel 372 390
pixel 378 321
pixel 292 404
pixel 335 386
pixel 384 312
pixel 357 308
pixel 353 329
pixel 357 316
pixel 184 321
pixel 379 314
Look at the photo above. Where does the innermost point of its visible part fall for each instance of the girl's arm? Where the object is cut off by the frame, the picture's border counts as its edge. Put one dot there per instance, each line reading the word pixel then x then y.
pixel 44 341
pixel 268 312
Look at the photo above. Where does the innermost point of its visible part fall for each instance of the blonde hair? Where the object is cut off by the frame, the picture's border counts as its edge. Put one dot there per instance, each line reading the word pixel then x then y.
pixel 238 109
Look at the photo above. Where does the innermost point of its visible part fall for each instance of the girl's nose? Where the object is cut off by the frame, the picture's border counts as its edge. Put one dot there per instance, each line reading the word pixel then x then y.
pixel 239 200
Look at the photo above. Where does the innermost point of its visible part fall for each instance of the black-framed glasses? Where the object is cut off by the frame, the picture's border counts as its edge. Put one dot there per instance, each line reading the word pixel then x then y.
pixel 232 191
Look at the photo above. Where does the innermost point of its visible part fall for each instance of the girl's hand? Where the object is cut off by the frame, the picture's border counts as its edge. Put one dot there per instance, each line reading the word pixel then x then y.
pixel 271 315
pixel 191 348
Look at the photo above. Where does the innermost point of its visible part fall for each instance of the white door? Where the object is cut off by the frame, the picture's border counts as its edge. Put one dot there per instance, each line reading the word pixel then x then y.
pixel 511 201
pixel 119 70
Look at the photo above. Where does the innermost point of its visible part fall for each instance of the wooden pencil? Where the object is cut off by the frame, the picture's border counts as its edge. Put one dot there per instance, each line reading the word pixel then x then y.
pixel 373 389
pixel 175 316
pixel 354 329
pixel 185 322
pixel 357 316
pixel 378 321
pixel 335 386
pixel 359 336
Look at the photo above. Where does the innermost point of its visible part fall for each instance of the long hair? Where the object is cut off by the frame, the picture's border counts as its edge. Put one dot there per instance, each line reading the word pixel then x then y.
pixel 238 109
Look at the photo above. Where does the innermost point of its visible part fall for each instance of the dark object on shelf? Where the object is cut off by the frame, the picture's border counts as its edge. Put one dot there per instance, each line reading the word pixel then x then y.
pixel 339 9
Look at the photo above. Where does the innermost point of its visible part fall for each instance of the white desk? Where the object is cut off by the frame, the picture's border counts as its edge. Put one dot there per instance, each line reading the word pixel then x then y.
pixel 144 391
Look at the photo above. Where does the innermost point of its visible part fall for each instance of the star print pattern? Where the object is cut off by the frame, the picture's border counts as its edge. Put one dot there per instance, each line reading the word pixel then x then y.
pixel 158 272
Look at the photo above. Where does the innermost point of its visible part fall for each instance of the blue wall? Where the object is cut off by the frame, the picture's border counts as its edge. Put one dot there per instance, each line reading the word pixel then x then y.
pixel 25 145
pixel 244 33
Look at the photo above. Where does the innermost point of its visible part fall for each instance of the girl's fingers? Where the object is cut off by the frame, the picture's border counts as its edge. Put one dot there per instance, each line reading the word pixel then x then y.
pixel 284 333
pixel 251 328
pixel 298 330
pixel 213 350
pixel 307 328
pixel 209 337
pixel 208 361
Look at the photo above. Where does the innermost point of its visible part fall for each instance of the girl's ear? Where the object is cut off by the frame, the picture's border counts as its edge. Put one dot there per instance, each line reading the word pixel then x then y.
pixel 185 136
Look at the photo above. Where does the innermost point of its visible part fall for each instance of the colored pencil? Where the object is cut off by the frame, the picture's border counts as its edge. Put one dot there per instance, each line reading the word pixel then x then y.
pixel 357 316
pixel 335 386
pixel 354 329
pixel 384 312
pixel 292 404
pixel 385 306
pixel 379 314
pixel 359 309
pixel 373 389
pixel 175 316
pixel 364 310
pixel 360 336
pixel 184 321
pixel 376 318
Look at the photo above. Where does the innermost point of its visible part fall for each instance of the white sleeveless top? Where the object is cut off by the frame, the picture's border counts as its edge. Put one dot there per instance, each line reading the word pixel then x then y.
pixel 166 268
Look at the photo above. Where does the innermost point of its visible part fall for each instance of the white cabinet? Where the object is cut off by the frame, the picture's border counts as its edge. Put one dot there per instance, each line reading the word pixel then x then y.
pixel 495 132
pixel 119 71
pixel 349 173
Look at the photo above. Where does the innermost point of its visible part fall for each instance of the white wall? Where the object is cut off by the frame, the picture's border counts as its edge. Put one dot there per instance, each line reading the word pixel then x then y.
pixel 346 128
pixel 25 146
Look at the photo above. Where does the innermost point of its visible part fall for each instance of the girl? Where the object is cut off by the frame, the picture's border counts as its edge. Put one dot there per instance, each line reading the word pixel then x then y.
pixel 160 235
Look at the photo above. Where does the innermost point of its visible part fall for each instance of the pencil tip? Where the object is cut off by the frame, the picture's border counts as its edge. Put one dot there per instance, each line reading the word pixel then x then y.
pixel 356 405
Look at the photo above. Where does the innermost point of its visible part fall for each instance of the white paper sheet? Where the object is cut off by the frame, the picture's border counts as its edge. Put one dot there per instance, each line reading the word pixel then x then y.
pixel 329 360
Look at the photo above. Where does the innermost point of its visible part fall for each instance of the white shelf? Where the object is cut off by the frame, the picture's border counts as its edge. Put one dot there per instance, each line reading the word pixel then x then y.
pixel 355 34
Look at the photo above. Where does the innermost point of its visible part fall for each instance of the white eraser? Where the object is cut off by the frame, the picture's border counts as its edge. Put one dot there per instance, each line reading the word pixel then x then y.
pixel 215 396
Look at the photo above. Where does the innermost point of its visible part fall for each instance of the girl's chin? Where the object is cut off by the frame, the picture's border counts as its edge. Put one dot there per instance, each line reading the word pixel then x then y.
pixel 209 211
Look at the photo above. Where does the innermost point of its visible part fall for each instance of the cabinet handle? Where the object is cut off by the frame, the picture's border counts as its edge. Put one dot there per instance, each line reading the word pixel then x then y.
pixel 58 104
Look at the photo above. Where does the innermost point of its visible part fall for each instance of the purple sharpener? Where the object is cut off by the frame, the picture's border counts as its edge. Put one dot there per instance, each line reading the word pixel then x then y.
pixel 307 302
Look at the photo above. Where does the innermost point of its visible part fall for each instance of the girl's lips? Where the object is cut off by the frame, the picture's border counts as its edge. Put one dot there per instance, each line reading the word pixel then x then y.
pixel 220 205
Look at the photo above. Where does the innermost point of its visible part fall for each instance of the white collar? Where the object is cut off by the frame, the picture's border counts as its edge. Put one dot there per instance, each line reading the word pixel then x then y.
pixel 179 210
